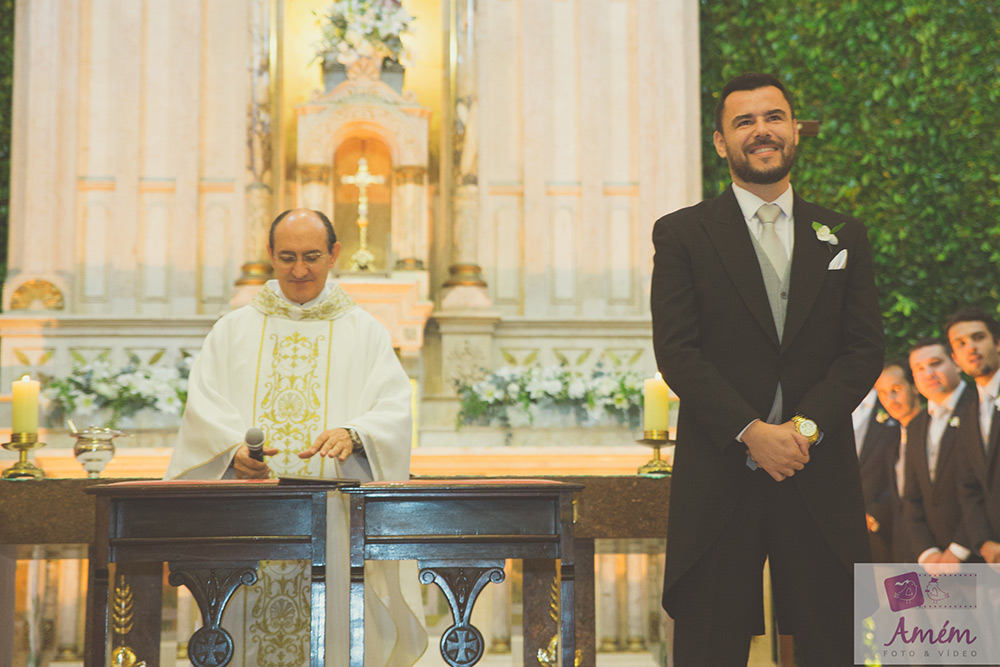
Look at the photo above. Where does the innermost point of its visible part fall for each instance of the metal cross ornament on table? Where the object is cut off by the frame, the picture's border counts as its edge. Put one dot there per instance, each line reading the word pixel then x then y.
pixel 362 179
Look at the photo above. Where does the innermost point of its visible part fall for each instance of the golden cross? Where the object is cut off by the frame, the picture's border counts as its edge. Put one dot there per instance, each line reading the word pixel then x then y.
pixel 362 179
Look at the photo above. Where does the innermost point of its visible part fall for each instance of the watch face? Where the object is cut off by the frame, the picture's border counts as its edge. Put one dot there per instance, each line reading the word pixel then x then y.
pixel 807 427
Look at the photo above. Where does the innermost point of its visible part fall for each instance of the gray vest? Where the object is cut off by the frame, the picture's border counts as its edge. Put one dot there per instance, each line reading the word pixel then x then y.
pixel 777 297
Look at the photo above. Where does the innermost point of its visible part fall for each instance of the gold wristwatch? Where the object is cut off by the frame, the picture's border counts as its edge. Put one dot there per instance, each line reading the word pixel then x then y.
pixel 806 427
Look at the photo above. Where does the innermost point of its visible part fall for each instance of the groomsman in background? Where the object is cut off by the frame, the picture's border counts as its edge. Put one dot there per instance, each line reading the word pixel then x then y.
pixel 930 501
pixel 901 401
pixel 974 337
pixel 874 432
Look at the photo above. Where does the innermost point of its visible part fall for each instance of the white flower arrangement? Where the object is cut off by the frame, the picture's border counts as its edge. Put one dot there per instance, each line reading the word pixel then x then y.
pixel 94 387
pixel 353 29
pixel 827 235
pixel 552 396
pixel 954 422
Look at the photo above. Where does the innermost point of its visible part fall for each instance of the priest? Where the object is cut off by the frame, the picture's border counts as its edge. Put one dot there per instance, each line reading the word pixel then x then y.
pixel 319 377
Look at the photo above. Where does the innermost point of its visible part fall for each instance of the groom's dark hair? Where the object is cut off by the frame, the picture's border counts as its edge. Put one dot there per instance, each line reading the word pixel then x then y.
pixel 749 81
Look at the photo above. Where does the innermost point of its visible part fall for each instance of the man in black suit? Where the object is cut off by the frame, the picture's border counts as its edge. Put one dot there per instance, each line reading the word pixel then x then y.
pixel 974 337
pixel 901 401
pixel 873 433
pixel 766 324
pixel 930 501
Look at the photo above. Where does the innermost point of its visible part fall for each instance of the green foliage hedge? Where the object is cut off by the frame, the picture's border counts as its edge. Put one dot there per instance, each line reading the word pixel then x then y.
pixel 907 93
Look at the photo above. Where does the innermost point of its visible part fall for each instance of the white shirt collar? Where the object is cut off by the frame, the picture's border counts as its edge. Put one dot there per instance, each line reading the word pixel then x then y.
pixel 992 387
pixel 949 403
pixel 276 288
pixel 749 202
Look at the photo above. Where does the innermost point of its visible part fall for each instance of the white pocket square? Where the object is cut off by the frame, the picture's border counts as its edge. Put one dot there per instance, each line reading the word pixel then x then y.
pixel 839 261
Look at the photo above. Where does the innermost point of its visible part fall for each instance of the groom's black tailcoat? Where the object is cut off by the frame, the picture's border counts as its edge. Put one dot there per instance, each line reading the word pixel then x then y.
pixel 717 347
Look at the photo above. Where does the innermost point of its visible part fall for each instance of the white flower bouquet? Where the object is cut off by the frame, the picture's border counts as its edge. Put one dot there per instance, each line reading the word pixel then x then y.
pixel 353 29
pixel 552 396
pixel 93 388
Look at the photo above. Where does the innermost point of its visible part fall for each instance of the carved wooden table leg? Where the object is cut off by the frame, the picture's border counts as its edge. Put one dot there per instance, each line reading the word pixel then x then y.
pixel 586 635
pixel 541 609
pixel 212 587
pixel 462 644
pixel 136 610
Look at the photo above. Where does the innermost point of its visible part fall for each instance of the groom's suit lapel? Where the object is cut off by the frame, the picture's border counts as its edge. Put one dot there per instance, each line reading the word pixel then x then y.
pixel 810 261
pixel 728 232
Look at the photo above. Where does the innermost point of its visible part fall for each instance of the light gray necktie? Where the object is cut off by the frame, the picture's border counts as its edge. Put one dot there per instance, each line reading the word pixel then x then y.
pixel 769 241
pixel 901 461
pixel 986 416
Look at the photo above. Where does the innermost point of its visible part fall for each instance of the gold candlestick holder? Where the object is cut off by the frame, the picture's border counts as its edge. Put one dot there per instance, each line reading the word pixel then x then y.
pixel 655 467
pixel 23 469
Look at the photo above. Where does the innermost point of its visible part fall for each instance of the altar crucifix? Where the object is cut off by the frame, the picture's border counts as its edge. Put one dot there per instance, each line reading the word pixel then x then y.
pixel 362 179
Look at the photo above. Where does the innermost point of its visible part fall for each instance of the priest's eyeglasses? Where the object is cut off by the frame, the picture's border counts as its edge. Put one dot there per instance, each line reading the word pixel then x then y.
pixel 309 258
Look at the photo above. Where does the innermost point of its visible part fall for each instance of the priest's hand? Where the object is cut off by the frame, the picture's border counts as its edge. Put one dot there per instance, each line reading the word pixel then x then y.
pixel 335 443
pixel 777 448
pixel 248 468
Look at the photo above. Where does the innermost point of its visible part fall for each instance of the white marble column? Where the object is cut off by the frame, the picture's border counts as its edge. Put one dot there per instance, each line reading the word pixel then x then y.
pixel 187 614
pixel 607 593
pixel 635 601
pixel 259 197
pixel 501 613
pixel 410 224
pixel 68 644
pixel 465 287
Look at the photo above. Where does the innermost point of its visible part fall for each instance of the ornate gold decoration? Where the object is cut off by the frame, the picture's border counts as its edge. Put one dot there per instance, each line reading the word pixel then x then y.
pixel 334 305
pixel 121 610
pixel 37 290
pixel 467 275
pixel 549 656
pixel 125 657
pixel 22 443
pixel 280 614
pixel 121 625
pixel 362 179
pixel 290 410
pixel 656 466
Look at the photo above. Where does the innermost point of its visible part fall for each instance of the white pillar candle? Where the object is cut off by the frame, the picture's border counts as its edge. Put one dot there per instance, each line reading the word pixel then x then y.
pixel 656 404
pixel 25 410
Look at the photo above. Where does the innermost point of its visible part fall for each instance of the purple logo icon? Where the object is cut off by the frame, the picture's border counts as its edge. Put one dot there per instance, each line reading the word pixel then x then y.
pixel 904 591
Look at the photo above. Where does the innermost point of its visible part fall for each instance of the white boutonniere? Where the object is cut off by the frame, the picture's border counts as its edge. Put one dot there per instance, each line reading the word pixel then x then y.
pixel 954 422
pixel 882 417
pixel 827 235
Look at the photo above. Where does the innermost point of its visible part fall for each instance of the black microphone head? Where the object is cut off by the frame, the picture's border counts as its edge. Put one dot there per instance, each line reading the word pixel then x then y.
pixel 254 437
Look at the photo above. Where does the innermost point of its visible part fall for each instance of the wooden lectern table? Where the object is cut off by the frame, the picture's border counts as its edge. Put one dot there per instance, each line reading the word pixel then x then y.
pixel 460 532
pixel 213 534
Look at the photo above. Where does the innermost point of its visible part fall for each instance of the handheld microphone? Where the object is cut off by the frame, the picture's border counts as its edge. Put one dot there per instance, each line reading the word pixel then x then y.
pixel 254 440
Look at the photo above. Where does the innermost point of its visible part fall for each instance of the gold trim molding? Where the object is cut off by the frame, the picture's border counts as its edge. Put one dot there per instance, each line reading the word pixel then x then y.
pixel 31 291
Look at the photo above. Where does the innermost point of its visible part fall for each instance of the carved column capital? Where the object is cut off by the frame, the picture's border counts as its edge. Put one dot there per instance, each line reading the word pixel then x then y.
pixel 314 173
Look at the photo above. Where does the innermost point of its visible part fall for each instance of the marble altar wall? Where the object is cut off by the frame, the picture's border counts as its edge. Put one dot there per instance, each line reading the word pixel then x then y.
pixel 129 168
pixel 129 155
pixel 589 132
pixel 131 208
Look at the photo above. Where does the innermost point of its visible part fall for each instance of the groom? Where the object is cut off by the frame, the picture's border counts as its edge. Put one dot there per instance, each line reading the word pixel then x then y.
pixel 766 324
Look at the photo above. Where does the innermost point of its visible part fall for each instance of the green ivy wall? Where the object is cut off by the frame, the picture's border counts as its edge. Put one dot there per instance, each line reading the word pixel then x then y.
pixel 908 98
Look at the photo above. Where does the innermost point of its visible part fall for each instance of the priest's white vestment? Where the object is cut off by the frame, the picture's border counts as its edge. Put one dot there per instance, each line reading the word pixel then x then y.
pixel 294 371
